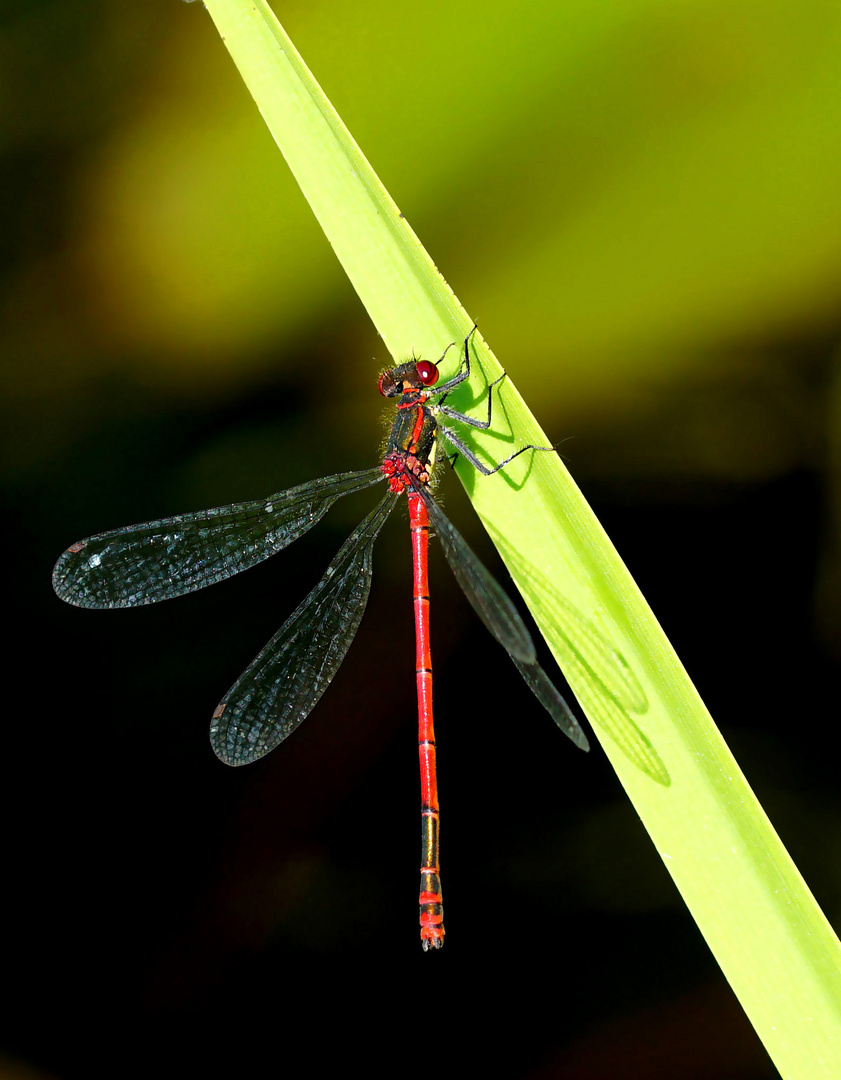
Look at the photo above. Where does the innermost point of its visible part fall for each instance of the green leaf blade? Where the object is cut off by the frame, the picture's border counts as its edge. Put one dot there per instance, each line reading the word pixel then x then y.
pixel 772 941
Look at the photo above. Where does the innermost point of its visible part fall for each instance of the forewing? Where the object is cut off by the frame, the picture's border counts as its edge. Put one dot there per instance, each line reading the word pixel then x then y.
pixel 141 564
pixel 544 690
pixel 499 615
pixel 480 587
pixel 286 680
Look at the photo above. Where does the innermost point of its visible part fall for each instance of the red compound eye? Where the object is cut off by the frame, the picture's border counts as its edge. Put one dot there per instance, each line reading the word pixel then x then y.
pixel 427 372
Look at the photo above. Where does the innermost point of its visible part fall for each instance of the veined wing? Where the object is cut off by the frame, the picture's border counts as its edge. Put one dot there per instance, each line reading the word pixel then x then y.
pixel 480 587
pixel 141 564
pixel 502 619
pixel 547 694
pixel 286 680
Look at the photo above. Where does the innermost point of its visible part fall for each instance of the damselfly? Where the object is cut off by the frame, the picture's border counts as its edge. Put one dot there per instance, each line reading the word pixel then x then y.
pixel 141 564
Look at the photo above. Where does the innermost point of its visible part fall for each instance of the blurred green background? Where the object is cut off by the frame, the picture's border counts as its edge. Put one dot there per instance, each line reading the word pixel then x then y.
pixel 639 204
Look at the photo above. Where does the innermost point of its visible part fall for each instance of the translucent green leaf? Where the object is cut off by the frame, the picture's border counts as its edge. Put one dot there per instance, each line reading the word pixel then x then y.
pixel 771 940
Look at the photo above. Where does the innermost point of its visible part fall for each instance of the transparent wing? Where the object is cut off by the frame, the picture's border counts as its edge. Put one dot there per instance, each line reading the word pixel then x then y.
pixel 286 680
pixel 141 564
pixel 546 693
pixel 502 619
pixel 480 587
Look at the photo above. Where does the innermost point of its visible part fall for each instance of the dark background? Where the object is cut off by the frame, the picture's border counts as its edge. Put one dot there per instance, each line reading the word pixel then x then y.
pixel 640 208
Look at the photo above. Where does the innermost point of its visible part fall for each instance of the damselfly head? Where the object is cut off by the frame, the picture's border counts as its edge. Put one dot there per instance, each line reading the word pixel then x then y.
pixel 413 375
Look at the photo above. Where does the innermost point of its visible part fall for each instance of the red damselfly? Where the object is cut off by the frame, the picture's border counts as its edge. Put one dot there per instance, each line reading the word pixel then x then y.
pixel 141 564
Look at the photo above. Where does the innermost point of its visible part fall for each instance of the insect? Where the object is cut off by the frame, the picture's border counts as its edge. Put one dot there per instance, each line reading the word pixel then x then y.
pixel 142 564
